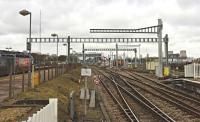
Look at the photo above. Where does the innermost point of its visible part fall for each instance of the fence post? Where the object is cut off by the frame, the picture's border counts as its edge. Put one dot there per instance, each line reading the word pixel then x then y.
pixel 39 73
pixel 54 101
pixel 33 75
pixel 194 71
pixel 48 72
pixel 57 70
pixel 44 73
pixel 22 79
pixel 10 82
pixel 52 73
pixel 63 69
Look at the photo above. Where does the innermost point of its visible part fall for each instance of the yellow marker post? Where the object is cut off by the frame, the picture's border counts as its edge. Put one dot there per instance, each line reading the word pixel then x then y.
pixel 166 71
pixel 36 79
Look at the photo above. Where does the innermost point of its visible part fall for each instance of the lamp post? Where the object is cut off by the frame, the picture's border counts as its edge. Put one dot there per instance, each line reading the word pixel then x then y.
pixel 8 48
pixel 66 51
pixel 25 12
pixel 56 35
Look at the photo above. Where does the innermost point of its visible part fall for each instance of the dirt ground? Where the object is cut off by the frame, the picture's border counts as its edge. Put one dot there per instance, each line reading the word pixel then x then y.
pixel 57 88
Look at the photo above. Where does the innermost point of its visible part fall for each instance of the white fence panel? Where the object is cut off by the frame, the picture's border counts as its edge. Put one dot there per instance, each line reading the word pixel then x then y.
pixel 192 70
pixel 47 113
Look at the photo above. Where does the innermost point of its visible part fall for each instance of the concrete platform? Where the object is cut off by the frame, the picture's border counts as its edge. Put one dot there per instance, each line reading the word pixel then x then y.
pixel 82 94
pixel 92 99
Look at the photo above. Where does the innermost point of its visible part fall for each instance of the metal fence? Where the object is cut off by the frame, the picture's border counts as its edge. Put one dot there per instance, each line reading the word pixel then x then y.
pixel 16 82
pixel 192 70
pixel 46 114
pixel 45 73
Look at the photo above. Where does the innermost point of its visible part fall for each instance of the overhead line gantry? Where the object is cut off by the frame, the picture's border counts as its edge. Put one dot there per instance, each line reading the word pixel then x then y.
pixel 112 49
pixel 150 30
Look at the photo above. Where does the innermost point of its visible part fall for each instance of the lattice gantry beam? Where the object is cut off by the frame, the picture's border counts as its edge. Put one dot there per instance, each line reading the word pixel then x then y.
pixel 93 40
pixel 151 29
pixel 89 55
pixel 109 49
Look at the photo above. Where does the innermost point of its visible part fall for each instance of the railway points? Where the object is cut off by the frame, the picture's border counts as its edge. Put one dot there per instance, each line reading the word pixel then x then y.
pixel 118 84
pixel 114 94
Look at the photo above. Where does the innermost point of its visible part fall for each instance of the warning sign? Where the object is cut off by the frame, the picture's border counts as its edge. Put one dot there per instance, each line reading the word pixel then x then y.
pixel 86 72
pixel 96 80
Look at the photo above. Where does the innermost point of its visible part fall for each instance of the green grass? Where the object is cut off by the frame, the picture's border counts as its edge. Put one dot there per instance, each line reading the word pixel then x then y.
pixel 57 88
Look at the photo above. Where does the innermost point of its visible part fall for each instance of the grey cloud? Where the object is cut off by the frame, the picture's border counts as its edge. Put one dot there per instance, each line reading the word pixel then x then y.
pixel 184 20
pixel 194 40
pixel 76 17
pixel 140 2
pixel 186 4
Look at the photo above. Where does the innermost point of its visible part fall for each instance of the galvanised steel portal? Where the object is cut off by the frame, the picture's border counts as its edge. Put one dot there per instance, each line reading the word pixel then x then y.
pixel 92 40
pixel 150 30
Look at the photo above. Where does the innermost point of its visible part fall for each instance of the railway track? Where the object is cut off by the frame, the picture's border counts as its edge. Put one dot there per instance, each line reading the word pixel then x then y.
pixel 193 101
pixel 141 107
pixel 119 99
pixel 180 92
pixel 158 95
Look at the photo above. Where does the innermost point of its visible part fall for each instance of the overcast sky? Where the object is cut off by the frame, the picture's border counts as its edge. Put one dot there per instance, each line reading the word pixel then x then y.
pixel 181 22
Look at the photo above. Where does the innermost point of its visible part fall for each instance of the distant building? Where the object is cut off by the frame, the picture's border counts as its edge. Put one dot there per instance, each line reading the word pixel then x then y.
pixel 147 55
pixel 183 54
pixel 170 52
pixel 173 58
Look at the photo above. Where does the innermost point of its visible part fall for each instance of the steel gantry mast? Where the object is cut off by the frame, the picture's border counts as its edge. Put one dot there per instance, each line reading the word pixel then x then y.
pixel 112 49
pixel 109 49
pixel 152 29
pixel 130 46
pixel 70 40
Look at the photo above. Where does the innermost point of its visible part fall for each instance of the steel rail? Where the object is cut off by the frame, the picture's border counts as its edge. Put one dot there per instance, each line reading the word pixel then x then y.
pixel 180 95
pixel 126 109
pixel 196 100
pixel 144 101
pixel 171 99
pixel 149 105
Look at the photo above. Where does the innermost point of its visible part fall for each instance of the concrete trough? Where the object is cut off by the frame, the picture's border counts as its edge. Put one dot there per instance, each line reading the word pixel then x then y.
pixel 92 99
